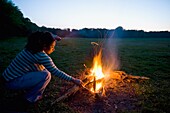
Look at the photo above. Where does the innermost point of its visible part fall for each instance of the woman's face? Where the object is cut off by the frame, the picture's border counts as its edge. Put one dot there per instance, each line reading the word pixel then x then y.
pixel 50 49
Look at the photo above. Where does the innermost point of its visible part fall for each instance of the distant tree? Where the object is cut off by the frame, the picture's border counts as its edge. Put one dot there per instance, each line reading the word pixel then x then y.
pixel 118 33
pixel 10 18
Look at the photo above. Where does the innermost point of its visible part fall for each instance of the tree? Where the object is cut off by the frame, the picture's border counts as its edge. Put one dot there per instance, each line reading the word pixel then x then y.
pixel 12 21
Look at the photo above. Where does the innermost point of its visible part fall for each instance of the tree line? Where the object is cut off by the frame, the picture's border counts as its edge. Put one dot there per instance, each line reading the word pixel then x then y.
pixel 13 23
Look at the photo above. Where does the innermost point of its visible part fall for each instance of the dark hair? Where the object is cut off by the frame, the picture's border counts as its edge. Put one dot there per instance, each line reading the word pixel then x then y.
pixel 38 40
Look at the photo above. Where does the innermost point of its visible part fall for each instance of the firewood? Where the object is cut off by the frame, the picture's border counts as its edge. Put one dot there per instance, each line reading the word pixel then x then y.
pixel 71 91
pixel 120 75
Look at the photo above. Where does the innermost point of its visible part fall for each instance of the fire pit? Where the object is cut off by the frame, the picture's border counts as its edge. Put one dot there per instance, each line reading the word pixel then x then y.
pixel 116 94
pixel 100 77
pixel 104 90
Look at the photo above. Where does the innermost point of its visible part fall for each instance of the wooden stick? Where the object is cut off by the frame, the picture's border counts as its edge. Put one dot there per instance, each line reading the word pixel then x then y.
pixel 94 84
pixel 71 91
pixel 120 75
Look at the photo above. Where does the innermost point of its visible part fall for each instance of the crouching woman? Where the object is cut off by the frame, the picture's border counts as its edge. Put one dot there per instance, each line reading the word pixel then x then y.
pixel 32 68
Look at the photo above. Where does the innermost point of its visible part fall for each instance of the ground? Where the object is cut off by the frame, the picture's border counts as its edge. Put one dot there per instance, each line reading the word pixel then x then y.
pixel 119 96
pixel 143 57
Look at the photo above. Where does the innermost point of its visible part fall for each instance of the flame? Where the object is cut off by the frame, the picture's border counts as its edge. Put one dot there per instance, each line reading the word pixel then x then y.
pixel 100 71
pixel 97 72
pixel 98 87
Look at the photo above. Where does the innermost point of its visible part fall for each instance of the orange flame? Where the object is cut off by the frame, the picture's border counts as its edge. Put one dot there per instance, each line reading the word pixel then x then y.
pixel 97 71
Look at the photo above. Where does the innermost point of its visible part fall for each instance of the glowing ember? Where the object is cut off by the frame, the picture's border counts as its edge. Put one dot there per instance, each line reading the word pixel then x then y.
pixel 97 72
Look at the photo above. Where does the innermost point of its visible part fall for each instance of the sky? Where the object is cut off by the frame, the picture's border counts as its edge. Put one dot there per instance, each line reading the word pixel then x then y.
pixel 147 15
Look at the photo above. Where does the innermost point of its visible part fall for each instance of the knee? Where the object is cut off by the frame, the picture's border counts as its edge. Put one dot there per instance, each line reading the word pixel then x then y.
pixel 47 75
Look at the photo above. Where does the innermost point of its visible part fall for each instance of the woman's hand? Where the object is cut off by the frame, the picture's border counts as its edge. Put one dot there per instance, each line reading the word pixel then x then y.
pixel 77 82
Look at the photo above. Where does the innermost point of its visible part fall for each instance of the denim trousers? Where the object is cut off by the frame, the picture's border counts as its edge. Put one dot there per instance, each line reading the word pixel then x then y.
pixel 34 83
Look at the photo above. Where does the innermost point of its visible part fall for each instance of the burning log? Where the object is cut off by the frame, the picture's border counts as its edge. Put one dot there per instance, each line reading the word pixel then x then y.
pixel 94 84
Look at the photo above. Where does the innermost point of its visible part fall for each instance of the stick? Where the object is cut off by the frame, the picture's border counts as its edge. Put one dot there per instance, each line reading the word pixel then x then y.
pixel 71 91
pixel 120 75
pixel 94 84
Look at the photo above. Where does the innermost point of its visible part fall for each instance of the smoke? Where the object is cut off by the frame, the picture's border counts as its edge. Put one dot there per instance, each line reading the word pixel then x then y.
pixel 110 57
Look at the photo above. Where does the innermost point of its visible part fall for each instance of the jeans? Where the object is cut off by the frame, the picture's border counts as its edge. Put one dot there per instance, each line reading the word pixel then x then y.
pixel 33 82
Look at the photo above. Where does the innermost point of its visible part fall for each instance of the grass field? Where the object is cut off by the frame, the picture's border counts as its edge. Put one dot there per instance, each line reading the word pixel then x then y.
pixel 142 57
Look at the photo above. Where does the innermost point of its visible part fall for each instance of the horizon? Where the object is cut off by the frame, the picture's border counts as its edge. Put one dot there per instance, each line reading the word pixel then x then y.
pixel 143 15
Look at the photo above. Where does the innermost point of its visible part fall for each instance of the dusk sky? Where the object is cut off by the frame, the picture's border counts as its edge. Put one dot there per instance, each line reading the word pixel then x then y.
pixel 147 15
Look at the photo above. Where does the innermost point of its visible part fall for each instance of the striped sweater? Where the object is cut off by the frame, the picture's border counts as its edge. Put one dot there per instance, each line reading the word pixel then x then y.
pixel 26 62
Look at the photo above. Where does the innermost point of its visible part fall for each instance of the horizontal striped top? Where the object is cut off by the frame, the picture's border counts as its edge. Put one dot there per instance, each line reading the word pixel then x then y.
pixel 26 62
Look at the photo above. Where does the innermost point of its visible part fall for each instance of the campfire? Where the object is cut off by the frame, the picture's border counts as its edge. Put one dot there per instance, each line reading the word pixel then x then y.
pixel 101 69
pixel 99 78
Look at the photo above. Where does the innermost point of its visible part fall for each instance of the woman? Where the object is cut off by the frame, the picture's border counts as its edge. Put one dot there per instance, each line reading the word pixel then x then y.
pixel 31 69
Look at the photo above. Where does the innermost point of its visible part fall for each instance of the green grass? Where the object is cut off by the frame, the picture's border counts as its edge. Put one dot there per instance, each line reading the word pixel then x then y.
pixel 143 57
pixel 151 58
